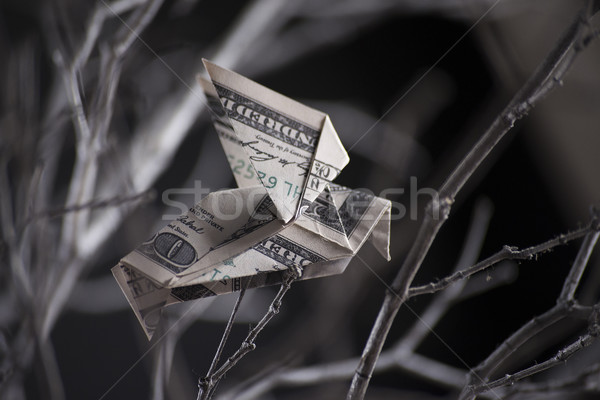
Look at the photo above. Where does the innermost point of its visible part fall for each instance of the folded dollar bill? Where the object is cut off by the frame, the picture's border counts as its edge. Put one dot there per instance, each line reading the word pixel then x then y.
pixel 286 214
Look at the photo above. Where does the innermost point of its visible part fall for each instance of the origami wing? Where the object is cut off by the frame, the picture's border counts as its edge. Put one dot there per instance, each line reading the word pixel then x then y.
pixel 321 242
pixel 291 149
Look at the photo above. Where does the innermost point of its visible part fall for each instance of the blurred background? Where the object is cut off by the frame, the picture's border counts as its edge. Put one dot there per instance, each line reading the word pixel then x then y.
pixel 100 115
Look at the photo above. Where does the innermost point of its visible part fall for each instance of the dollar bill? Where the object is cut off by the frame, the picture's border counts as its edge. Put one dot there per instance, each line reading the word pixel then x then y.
pixel 292 149
pixel 286 214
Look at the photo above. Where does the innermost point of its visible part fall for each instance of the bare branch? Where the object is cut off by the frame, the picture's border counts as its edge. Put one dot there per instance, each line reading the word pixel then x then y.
pixel 402 355
pixel 415 364
pixel 51 370
pixel 559 358
pixel 210 381
pixel 86 168
pixel 440 305
pixel 94 26
pixel 206 384
pixel 572 281
pixel 523 334
pixel 564 307
pixel 92 205
pixel 440 208
pixel 507 253
pixel 576 382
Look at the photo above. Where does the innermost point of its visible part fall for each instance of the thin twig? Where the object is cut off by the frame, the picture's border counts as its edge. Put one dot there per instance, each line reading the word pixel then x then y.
pixel 438 209
pixel 86 168
pixel 91 205
pixel 576 382
pixel 441 303
pixel 523 334
pixel 435 371
pixel 402 355
pixel 94 26
pixel 50 369
pixel 507 253
pixel 205 384
pixel 176 322
pixel 227 332
pixel 572 280
pixel 560 357
pixel 565 306
pixel 248 344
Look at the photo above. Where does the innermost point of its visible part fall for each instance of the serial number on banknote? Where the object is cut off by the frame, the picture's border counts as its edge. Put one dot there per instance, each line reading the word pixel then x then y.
pixel 240 167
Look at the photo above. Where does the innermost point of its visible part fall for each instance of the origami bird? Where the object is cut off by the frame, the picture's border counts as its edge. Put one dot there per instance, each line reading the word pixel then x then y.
pixel 286 214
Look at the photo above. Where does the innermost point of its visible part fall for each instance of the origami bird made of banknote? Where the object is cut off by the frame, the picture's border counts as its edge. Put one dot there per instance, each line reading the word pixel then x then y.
pixel 286 213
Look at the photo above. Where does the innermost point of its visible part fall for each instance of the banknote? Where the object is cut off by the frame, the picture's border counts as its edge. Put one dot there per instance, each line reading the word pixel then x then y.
pixel 292 149
pixel 286 215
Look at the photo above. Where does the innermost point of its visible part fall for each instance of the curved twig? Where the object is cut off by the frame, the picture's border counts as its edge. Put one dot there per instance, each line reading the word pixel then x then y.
pixel 547 75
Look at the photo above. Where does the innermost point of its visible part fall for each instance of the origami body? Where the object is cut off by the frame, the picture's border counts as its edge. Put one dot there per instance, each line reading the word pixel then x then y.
pixel 285 214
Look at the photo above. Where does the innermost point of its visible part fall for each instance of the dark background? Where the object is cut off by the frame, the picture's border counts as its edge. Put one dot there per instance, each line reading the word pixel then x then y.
pixel 356 79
